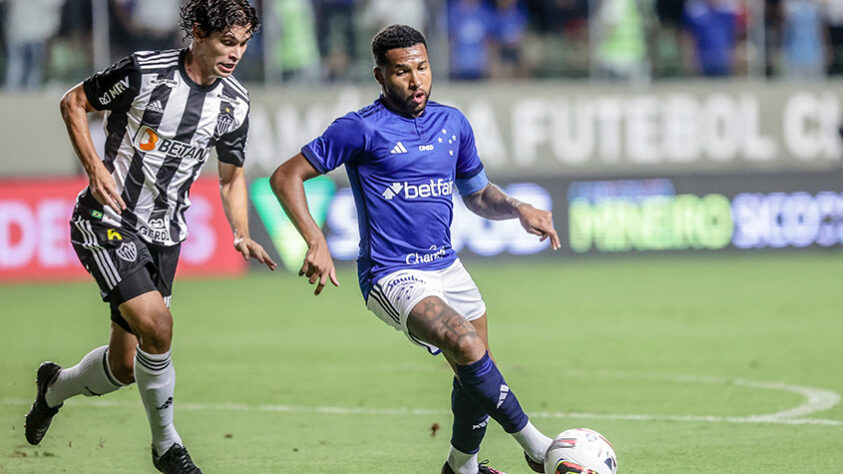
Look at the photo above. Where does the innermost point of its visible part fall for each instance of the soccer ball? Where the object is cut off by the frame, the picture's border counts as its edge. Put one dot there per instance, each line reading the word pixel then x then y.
pixel 580 451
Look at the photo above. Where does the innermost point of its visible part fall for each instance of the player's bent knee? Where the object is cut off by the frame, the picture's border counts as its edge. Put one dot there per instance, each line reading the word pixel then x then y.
pixel 124 370
pixel 464 342
pixel 155 331
pixel 468 349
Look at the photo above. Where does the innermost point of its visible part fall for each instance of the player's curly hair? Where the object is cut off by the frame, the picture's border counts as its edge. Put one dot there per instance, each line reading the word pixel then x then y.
pixel 217 15
pixel 395 36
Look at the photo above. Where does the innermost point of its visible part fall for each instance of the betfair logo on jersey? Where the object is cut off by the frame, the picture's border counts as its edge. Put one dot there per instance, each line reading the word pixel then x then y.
pixel 432 188
pixel 148 140
pixel 115 91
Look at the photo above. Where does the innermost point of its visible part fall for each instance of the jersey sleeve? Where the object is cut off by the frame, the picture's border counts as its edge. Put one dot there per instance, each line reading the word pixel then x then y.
pixel 341 142
pixel 116 87
pixel 231 147
pixel 470 176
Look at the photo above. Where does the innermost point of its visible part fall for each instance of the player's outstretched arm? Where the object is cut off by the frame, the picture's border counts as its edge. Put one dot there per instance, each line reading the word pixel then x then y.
pixel 235 204
pixel 288 185
pixel 492 203
pixel 74 110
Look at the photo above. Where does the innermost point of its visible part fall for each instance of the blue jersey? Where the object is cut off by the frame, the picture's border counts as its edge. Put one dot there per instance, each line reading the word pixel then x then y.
pixel 402 173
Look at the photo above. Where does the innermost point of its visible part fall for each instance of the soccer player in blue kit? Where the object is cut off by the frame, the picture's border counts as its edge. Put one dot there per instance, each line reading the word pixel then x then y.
pixel 403 155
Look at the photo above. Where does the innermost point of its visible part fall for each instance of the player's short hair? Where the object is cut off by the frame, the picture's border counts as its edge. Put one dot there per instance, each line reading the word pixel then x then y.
pixel 395 36
pixel 217 15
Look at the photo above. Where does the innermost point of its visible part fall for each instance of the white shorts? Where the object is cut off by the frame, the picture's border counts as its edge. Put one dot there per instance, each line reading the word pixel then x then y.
pixel 394 296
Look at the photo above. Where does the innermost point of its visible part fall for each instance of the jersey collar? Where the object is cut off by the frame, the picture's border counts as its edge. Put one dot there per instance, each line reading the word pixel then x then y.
pixel 189 81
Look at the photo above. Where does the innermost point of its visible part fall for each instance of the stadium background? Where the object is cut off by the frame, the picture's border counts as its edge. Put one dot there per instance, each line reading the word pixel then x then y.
pixel 720 181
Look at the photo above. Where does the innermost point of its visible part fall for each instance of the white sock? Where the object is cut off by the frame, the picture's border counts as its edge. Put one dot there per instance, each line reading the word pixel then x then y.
pixel 462 463
pixel 535 444
pixel 156 379
pixel 90 377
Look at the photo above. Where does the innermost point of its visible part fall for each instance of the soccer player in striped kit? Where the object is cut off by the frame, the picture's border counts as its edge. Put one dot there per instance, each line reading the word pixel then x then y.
pixel 165 110
pixel 404 156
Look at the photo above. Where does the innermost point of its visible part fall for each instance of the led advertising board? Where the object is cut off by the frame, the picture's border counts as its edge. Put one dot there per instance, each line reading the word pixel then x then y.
pixel 707 212
pixel 35 232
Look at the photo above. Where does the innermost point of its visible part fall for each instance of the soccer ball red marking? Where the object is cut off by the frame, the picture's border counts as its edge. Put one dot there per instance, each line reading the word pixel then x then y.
pixel 580 451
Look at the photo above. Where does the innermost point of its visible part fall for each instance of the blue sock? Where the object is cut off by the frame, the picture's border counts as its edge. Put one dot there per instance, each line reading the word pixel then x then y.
pixel 469 421
pixel 483 382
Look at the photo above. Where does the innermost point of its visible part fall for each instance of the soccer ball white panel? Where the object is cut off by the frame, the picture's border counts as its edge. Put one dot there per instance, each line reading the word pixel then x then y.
pixel 580 451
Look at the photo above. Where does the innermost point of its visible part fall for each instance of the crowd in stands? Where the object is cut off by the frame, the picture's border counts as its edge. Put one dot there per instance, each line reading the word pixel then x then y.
pixel 314 41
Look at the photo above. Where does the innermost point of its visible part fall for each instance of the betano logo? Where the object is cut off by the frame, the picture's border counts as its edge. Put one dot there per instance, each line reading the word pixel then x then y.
pixel 149 140
pixel 286 239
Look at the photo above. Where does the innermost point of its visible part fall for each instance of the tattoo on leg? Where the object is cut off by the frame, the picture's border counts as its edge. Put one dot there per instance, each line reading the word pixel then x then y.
pixel 437 323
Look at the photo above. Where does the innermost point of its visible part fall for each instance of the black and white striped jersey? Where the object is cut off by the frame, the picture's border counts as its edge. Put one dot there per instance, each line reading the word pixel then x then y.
pixel 160 127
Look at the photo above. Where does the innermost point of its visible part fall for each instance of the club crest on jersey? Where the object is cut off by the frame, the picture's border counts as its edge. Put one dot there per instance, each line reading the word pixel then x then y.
pixel 148 140
pixel 127 251
pixel 224 119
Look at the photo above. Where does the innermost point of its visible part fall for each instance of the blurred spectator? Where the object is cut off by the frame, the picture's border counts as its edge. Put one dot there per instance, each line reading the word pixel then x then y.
pixel 834 16
pixel 561 47
pixel 470 25
pixel 510 25
pixel 558 15
pixel 122 40
pixel 712 26
pixel 621 52
pixel 71 53
pixel 802 45
pixel 665 52
pixel 295 50
pixel 29 26
pixel 772 36
pixel 335 35
pixel 378 14
pixel 153 24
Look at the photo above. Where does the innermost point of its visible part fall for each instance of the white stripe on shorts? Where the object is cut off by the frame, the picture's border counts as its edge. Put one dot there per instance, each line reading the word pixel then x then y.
pixel 375 293
pixel 101 257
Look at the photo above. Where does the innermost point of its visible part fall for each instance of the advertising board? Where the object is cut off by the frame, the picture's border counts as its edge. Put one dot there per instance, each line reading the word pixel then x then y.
pixel 35 232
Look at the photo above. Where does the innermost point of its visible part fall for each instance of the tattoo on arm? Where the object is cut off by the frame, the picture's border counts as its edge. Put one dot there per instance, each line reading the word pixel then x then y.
pixel 492 203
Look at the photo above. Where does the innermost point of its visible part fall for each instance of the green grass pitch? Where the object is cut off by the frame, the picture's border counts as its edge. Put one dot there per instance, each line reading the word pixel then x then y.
pixel 699 364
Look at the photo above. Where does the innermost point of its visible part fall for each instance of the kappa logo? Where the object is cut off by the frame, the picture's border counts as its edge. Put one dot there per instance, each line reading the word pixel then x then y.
pixel 155 106
pixel 128 251
pixel 398 149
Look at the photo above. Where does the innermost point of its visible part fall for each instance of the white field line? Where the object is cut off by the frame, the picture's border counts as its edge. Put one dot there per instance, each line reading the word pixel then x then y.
pixel 189 406
pixel 816 400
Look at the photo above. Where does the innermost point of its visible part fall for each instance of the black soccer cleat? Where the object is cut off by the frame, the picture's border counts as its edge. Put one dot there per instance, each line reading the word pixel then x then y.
pixel 40 415
pixel 175 461
pixel 482 468
pixel 535 466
